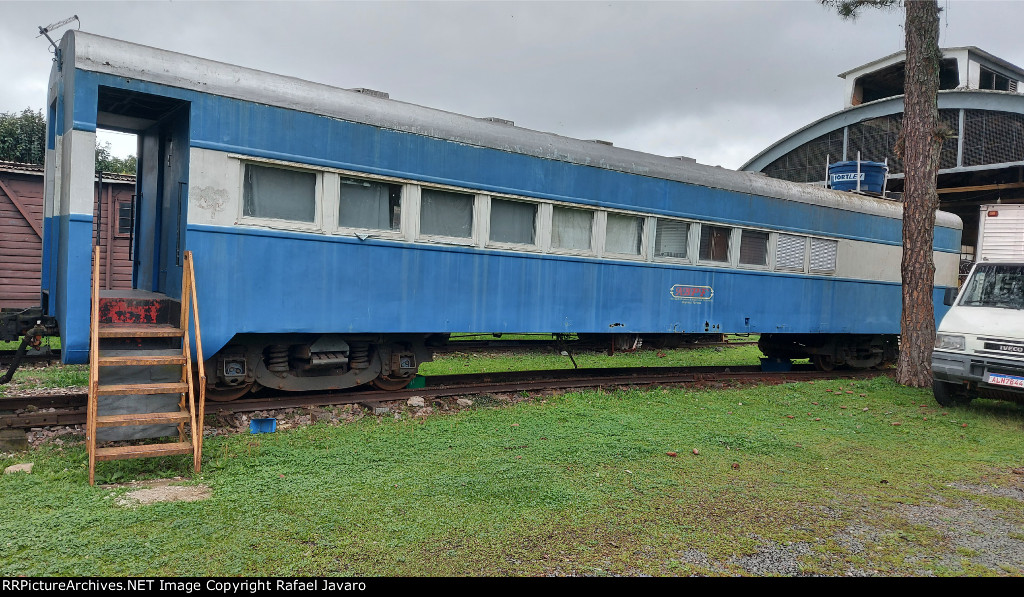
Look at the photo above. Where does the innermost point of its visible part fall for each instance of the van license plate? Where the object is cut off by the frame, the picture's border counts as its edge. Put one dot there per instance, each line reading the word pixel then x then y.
pixel 999 379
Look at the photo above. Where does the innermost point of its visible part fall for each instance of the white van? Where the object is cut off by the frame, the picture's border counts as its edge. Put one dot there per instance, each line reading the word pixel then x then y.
pixel 979 345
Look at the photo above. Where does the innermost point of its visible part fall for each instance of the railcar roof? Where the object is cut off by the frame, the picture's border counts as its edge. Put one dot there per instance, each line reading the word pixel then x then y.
pixel 125 59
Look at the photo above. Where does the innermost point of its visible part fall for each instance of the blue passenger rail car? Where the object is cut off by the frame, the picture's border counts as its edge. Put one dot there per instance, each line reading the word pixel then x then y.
pixel 338 234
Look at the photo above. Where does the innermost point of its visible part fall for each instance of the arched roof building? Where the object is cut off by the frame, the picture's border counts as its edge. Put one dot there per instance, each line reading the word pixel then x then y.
pixel 981 162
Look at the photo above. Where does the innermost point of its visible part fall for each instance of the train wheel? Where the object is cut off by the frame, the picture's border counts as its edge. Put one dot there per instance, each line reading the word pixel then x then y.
pixel 228 394
pixel 824 362
pixel 392 384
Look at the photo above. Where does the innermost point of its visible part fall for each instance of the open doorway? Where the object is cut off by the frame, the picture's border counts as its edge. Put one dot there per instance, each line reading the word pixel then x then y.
pixel 113 206
pixel 158 209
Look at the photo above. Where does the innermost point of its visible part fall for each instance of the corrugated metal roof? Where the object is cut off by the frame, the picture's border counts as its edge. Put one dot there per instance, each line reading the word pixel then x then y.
pixel 37 170
pixel 18 167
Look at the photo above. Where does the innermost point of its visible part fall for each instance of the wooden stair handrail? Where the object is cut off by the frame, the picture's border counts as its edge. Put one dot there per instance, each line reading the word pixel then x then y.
pixel 186 373
pixel 197 425
pixel 94 355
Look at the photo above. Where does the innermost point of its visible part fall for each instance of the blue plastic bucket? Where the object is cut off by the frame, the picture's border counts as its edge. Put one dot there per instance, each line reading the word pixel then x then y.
pixel 842 176
pixel 262 425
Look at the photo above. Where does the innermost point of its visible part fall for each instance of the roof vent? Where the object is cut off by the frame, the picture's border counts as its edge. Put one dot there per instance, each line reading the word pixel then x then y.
pixel 601 142
pixel 498 120
pixel 373 92
pixel 683 158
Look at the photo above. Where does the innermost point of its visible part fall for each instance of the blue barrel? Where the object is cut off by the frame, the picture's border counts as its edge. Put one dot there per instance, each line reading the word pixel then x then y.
pixel 842 176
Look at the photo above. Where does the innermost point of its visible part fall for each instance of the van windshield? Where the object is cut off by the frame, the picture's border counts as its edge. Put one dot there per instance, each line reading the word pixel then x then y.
pixel 996 286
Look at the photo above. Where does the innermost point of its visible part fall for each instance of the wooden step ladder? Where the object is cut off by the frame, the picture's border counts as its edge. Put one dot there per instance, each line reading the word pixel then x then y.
pixel 189 415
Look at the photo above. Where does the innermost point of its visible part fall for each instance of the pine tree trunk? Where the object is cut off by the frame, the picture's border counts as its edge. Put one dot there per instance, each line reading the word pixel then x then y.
pixel 921 141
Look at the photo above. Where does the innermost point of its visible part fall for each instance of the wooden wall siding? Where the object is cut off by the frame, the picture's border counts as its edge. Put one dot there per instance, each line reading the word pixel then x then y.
pixel 21 222
pixel 20 245
pixel 115 266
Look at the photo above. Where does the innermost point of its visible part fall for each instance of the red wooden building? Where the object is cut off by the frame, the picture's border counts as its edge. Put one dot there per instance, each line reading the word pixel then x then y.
pixel 21 231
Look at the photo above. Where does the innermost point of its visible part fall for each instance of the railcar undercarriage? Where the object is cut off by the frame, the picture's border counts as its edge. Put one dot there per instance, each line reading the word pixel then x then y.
pixel 303 362
pixel 829 351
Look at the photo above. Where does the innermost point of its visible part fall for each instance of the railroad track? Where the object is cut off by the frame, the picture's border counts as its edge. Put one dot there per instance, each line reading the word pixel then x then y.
pixel 69 409
pixel 47 355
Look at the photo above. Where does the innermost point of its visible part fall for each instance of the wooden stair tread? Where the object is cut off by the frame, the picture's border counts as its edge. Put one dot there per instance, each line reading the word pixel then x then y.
pixel 142 388
pixel 166 418
pixel 146 451
pixel 141 333
pixel 161 330
pixel 109 361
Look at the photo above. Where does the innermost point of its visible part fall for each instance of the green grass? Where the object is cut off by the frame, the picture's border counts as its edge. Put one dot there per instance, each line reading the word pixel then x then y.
pixel 30 377
pixel 468 362
pixel 52 342
pixel 578 483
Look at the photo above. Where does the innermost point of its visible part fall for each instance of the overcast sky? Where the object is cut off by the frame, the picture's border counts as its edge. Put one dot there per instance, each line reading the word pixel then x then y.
pixel 716 81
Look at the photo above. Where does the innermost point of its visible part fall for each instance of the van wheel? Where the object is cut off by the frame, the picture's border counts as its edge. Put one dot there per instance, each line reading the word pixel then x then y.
pixel 950 394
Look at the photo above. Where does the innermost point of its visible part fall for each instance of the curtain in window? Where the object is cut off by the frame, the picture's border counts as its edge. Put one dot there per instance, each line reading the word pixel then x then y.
pixel 753 247
pixel 622 234
pixel 671 238
pixel 444 213
pixel 513 221
pixel 369 204
pixel 570 228
pixel 714 243
pixel 279 193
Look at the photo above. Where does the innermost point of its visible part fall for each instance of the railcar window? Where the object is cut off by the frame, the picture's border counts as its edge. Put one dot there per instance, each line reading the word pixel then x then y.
pixel 753 247
pixel 124 218
pixel 623 234
pixel 513 222
pixel 445 213
pixel 671 238
pixel 790 252
pixel 370 204
pixel 570 228
pixel 279 193
pixel 823 255
pixel 714 243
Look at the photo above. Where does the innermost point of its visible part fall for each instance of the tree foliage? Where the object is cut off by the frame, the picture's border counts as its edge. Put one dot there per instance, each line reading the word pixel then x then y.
pixel 23 137
pixel 849 9
pixel 105 162
pixel 23 140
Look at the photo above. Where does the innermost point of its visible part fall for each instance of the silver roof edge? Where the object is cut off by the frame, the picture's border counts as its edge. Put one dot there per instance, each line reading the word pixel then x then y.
pixel 125 59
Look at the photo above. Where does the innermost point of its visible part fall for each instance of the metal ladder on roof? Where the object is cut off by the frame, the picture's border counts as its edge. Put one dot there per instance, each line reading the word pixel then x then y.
pixel 190 412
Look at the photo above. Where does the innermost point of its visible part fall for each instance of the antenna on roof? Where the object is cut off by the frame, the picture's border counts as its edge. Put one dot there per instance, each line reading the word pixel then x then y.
pixel 45 31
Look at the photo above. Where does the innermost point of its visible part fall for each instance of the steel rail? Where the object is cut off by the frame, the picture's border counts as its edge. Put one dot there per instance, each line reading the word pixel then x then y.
pixel 70 409
pixel 31 356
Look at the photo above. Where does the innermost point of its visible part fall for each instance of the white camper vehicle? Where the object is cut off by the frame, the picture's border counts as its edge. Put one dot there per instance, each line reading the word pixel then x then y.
pixel 979 346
